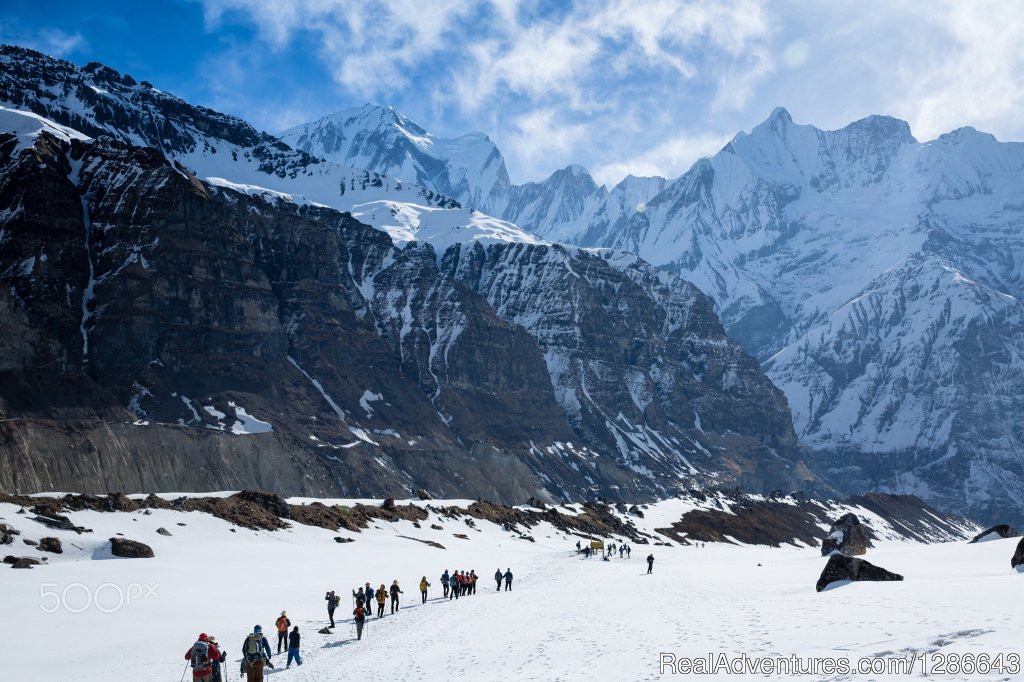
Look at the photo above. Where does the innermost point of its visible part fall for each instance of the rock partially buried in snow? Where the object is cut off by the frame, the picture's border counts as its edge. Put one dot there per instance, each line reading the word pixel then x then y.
pixel 846 536
pixel 998 532
pixel 163 531
pixel 51 545
pixel 841 567
pixel 423 494
pixel 7 534
pixel 21 562
pixel 389 503
pixel 130 549
pixel 1017 560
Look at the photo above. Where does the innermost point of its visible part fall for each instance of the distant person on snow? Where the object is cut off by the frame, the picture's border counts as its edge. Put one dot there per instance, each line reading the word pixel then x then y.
pixel 444 582
pixel 395 591
pixel 423 589
pixel 508 579
pixel 201 655
pixel 577 546
pixel 628 550
pixel 359 596
pixel 282 631
pixel 497 578
pixel 650 563
pixel 359 614
pixel 332 603
pixel 463 583
pixel 622 550
pixel 382 596
pixel 453 586
pixel 293 647
pixel 256 653
pixel 472 581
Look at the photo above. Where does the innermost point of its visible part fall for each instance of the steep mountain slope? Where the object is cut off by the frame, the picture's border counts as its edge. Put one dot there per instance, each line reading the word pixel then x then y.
pixel 566 207
pixel 879 277
pixel 175 333
pixel 884 276
pixel 97 100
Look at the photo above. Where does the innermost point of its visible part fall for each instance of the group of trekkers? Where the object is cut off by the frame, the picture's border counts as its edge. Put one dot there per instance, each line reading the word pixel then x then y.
pixel 206 658
pixel 607 549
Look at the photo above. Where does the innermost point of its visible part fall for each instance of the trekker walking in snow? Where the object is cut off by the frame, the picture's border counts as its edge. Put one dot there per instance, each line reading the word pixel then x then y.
pixel 332 603
pixel 293 648
pixel 359 614
pixel 423 588
pixel 201 656
pixel 395 591
pixel 577 546
pixel 497 578
pixel 650 563
pixel 282 631
pixel 359 596
pixel 444 582
pixel 628 550
pixel 217 673
pixel 256 653
pixel 382 596
pixel 463 583
pixel 508 580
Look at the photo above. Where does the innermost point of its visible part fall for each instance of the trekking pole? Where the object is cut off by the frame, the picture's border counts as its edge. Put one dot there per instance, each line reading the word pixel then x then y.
pixel 184 671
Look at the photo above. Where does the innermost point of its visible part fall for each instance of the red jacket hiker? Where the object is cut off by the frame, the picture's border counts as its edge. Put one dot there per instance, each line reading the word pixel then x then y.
pixel 212 655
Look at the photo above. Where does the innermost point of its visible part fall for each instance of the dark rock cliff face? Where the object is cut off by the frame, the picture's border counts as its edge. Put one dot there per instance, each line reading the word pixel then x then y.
pixel 166 333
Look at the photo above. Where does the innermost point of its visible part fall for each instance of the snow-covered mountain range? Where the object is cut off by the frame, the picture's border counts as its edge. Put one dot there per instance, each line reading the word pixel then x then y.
pixel 879 279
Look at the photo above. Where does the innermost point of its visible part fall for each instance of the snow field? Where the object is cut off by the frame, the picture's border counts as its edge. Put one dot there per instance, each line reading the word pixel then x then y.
pixel 566 618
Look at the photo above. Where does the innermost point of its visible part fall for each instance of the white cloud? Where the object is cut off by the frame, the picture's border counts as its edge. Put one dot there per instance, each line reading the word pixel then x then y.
pixel 648 86
pixel 668 159
pixel 52 41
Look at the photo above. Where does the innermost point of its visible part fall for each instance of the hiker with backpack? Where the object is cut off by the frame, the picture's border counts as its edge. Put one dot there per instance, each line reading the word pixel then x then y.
pixel 382 596
pixel 453 585
pixel 497 578
pixel 650 563
pixel 255 654
pixel 282 631
pixel 294 640
pixel 423 589
pixel 201 656
pixel 444 582
pixel 332 603
pixel 218 675
pixel 359 614
pixel 472 581
pixel 508 580
pixel 395 591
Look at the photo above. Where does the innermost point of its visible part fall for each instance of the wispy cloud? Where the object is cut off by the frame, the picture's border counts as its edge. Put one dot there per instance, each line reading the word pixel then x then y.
pixel 53 41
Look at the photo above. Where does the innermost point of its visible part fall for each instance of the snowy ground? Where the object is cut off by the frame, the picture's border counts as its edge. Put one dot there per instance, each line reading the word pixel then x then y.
pixel 566 618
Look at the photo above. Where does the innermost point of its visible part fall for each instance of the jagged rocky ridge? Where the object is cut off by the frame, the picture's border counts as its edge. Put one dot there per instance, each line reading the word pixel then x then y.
pixel 879 278
pixel 171 333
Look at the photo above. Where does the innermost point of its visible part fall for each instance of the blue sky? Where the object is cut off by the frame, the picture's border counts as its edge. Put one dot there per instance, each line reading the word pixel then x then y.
pixel 617 85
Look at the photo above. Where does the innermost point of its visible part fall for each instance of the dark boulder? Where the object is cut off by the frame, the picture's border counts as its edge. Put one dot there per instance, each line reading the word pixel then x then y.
pixel 846 536
pixel 635 511
pixel 59 522
pixel 30 543
pixel 423 494
pixel 1017 560
pixel 841 567
pixel 21 562
pixel 340 540
pixel 51 545
pixel 7 534
pixel 163 531
pixel 130 549
pixel 389 504
pixel 1002 530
